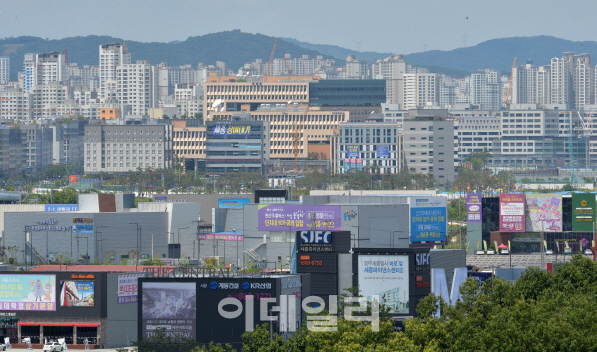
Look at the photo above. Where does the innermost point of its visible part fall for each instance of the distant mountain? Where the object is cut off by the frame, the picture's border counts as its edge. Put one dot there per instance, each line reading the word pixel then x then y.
pixel 339 52
pixel 499 53
pixel 233 47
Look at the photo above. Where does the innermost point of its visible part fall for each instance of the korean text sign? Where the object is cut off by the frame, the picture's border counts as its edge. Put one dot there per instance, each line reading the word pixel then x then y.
pixel 28 292
pixel 352 151
pixel 583 212
pixel 383 151
pixel 77 293
pixel 473 207
pixel 231 130
pixel 428 217
pixel 544 212
pixel 290 217
pixel 128 288
pixel 233 203
pixel 383 274
pixel 512 213
pixel 171 306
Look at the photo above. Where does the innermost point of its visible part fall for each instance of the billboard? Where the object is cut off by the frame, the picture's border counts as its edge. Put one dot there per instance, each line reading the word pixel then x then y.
pixel 230 130
pixel 316 241
pixel 347 165
pixel 511 212
pixel 290 217
pixel 77 294
pixel 583 212
pixel 233 203
pixel 388 277
pixel 28 292
pixel 352 151
pixel 128 288
pixel 383 151
pixel 61 207
pixel 171 306
pixel 428 217
pixel 473 207
pixel 544 212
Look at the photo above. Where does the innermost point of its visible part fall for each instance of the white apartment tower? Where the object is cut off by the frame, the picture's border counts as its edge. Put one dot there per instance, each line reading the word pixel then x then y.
pixel 41 69
pixel 110 57
pixel 392 69
pixel 357 69
pixel 486 89
pixel 4 69
pixel 583 81
pixel 137 86
pixel 572 80
pixel 420 90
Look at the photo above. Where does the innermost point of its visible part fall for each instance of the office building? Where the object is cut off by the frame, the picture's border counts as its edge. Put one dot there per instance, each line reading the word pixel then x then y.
pixel 4 69
pixel 110 57
pixel 188 141
pixel 359 97
pixel 68 143
pixel 126 147
pixel 137 86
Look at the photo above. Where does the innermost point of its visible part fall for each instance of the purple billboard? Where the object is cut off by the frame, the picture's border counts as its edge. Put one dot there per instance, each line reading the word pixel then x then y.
pixel 290 217
pixel 473 207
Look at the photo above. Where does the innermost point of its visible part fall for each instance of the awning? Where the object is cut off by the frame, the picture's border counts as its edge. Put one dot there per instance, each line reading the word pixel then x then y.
pixel 80 325
pixel 56 324
pixel 28 324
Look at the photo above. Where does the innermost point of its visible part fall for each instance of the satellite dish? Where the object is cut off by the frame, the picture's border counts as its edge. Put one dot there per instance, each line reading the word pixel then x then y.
pixel 216 103
pixel 222 109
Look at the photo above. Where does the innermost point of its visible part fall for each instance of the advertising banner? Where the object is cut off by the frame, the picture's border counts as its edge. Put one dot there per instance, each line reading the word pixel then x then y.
pixel 473 207
pixel 290 217
pixel 583 212
pixel 233 203
pixel 428 217
pixel 231 130
pixel 171 306
pixel 352 151
pixel 128 288
pixel 347 165
pixel 77 294
pixel 61 207
pixel 27 292
pixel 383 151
pixel 214 237
pixel 544 212
pixel 386 276
pixel 512 212
pixel 359 163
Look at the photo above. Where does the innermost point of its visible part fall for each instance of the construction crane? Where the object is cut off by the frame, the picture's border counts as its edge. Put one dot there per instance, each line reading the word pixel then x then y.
pixel 287 66
pixel 507 97
pixel 271 59
pixel 295 130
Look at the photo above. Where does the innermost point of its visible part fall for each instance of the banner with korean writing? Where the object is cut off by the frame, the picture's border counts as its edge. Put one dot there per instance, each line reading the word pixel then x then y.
pixel 233 203
pixel 77 294
pixel 290 217
pixel 428 216
pixel 231 130
pixel 27 292
pixel 347 165
pixel 383 151
pixel 583 212
pixel 544 212
pixel 128 288
pixel 61 207
pixel 169 306
pixel 385 276
pixel 473 207
pixel 219 237
pixel 512 212
pixel 352 151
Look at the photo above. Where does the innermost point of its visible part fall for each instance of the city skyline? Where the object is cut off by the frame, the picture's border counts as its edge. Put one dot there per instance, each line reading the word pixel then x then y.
pixel 454 24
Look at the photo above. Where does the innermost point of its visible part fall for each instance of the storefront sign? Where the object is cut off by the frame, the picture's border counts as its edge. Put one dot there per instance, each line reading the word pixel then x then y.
pixel 171 306
pixel 82 219
pixel 388 277
pixel 422 262
pixel 526 239
pixel 583 212
pixel 316 241
pixel 428 219
pixel 61 207
pixel 128 289
pixel 27 292
pixel 231 130
pixel 473 207
pixel 82 228
pixel 544 212
pixel 289 217
pixel 352 151
pixel 233 203
pixel 512 213
pixel 317 263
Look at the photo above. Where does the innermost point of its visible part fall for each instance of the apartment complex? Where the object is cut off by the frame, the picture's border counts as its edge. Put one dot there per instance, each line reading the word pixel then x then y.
pixel 42 69
pixel 392 69
pixel 421 90
pixel 136 86
pixel 4 69
pixel 486 89
pixel 110 57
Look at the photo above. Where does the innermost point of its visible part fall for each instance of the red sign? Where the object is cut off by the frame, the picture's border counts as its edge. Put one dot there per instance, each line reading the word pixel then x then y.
pixel 422 284
pixel 419 278
pixel 305 257
pixel 73 178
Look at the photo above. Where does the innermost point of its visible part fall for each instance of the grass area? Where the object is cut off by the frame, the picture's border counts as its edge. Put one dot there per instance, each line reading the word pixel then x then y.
pixel 142 200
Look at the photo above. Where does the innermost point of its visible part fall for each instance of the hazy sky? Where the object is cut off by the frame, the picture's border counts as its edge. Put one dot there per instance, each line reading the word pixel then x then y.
pixel 400 27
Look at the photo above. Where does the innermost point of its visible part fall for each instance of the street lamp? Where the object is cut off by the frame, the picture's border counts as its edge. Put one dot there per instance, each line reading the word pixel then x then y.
pixel 102 242
pixel 138 231
pixel 179 247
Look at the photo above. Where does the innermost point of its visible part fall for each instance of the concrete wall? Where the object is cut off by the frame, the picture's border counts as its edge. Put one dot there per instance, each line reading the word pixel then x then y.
pixel 121 321
pixel 17 208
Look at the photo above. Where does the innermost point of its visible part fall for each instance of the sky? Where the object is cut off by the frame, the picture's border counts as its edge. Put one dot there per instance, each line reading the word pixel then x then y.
pixel 393 26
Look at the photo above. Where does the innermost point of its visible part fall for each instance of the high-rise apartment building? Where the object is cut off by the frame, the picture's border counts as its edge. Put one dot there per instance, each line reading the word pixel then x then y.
pixel 356 69
pixel 137 86
pixel 531 85
pixel 4 69
pixel 392 69
pixel 486 89
pixel 421 90
pixel 572 80
pixel 110 57
pixel 41 69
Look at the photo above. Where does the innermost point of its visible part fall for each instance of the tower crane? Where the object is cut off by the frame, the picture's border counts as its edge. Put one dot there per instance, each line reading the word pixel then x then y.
pixel 295 133
pixel 507 97
pixel 271 58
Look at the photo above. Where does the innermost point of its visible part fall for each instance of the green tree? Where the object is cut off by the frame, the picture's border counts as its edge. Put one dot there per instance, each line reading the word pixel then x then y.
pixel 66 196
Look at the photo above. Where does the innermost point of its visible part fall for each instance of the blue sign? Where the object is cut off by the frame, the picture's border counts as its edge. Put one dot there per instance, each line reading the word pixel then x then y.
pixel 161 198
pixel 316 237
pixel 352 151
pixel 82 228
pixel 480 276
pixel 231 130
pixel 233 203
pixel 383 151
pixel 428 219
pixel 61 207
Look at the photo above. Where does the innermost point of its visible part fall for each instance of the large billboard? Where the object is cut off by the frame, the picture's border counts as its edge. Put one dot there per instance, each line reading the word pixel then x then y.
pixel 233 203
pixel 231 130
pixel 583 212
pixel 511 212
pixel 473 207
pixel 352 151
pixel 383 151
pixel 290 217
pixel 28 292
pixel 544 212
pixel 171 306
pixel 386 276
pixel 77 294
pixel 428 217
